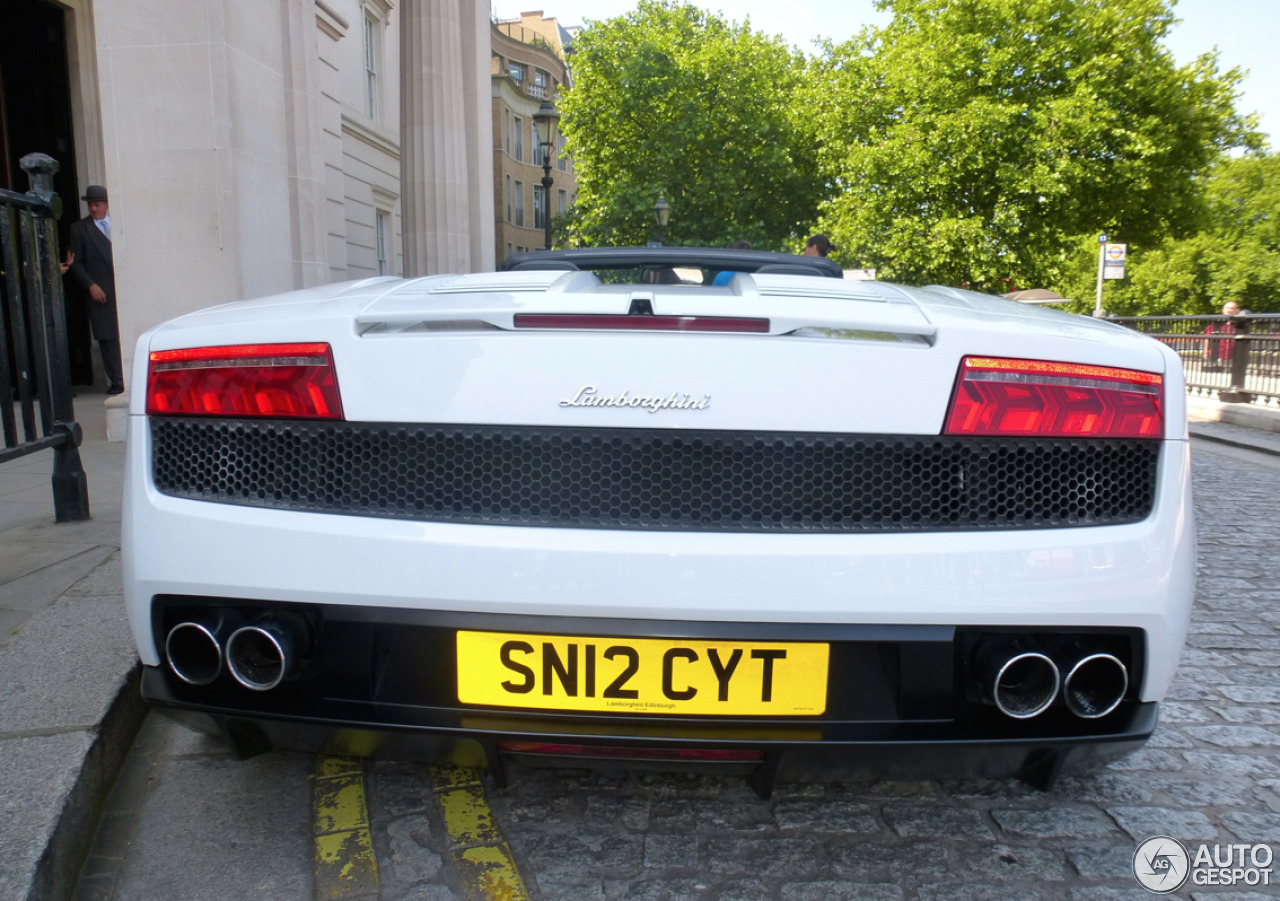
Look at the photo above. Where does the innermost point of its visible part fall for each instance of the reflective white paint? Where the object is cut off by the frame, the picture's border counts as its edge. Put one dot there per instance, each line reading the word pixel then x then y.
pixel 1139 575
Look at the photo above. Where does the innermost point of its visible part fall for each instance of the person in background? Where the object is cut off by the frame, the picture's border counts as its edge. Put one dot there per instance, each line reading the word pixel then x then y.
pixel 818 246
pixel 724 277
pixel 93 266
pixel 1217 352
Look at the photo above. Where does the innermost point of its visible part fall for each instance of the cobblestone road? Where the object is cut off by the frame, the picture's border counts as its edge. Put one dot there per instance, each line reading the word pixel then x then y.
pixel 1210 774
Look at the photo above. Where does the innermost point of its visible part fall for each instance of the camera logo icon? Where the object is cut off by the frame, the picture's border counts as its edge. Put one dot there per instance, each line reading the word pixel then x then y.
pixel 1161 864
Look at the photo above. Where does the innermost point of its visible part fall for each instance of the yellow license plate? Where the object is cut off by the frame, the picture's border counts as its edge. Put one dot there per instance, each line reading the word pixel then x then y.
pixel 642 675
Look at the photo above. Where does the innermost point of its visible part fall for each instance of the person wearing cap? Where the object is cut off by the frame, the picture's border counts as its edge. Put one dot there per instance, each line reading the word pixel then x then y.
pixel 93 266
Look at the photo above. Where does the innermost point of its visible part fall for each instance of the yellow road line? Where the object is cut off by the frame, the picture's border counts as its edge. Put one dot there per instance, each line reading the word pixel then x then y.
pixel 484 863
pixel 345 863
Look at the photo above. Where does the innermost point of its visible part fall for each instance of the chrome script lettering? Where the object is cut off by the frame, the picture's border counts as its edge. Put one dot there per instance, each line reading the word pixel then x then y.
pixel 588 396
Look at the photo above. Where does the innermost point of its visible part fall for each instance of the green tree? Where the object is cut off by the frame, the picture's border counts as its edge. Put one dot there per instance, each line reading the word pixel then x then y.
pixel 1234 256
pixel 671 100
pixel 979 141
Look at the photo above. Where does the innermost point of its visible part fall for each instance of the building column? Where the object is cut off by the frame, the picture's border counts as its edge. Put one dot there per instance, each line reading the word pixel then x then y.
pixel 306 157
pixel 435 191
pixel 477 60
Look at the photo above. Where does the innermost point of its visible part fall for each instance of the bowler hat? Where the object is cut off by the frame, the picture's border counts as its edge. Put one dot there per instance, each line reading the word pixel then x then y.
pixel 95 193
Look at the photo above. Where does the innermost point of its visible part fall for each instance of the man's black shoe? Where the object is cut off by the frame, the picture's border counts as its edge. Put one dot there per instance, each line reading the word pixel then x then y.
pixel 116 389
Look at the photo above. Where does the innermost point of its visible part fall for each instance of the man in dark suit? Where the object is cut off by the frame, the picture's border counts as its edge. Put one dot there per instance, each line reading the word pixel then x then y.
pixel 93 267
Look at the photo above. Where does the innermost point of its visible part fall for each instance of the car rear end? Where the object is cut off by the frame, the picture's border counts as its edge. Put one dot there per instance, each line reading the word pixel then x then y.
pixel 791 526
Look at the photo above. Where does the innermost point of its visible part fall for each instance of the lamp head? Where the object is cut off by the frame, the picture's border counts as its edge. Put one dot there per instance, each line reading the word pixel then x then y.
pixel 547 118
pixel 662 211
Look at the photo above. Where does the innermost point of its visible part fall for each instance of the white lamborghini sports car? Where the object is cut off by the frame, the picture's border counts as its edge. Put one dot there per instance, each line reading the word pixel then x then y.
pixel 597 508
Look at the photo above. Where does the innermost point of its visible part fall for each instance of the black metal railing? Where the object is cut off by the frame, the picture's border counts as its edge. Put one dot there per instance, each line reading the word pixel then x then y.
pixel 35 371
pixel 1235 357
pixel 518 32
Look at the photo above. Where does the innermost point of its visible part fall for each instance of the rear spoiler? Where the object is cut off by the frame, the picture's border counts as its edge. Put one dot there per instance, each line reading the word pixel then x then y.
pixel 719 258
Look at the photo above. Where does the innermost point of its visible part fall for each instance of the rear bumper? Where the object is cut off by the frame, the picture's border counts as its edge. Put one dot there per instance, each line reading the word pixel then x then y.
pixel 937 752
pixel 901 701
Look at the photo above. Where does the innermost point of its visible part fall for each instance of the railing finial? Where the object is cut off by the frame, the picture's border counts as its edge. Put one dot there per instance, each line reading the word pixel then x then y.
pixel 40 169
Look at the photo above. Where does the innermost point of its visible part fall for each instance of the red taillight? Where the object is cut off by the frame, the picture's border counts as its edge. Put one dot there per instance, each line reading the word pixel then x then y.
pixel 641 323
pixel 996 396
pixel 276 380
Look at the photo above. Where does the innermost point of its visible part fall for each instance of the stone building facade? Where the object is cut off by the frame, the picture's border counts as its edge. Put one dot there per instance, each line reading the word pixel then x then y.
pixel 256 146
pixel 528 66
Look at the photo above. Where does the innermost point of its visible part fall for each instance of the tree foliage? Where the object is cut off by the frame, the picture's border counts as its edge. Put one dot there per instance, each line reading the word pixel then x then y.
pixel 982 142
pixel 1234 256
pixel 671 100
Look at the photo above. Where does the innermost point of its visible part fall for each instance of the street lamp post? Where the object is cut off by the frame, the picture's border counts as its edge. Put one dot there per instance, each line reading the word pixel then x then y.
pixel 1102 263
pixel 662 214
pixel 546 119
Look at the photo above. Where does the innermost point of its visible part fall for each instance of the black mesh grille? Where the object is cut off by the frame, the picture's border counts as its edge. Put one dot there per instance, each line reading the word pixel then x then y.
pixel 655 479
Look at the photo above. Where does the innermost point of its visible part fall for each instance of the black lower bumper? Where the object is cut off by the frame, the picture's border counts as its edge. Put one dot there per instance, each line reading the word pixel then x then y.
pixel 903 701
pixel 782 752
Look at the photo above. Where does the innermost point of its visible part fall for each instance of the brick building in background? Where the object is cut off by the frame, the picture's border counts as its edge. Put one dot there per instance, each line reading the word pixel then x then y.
pixel 528 66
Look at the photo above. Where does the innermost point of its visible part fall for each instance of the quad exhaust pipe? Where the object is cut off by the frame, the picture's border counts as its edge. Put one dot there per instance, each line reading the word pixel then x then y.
pixel 194 652
pixel 1024 681
pixel 259 656
pixel 1020 680
pixel 1095 685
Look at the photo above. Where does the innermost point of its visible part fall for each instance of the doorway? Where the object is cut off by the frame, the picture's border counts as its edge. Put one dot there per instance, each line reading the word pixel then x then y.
pixel 35 117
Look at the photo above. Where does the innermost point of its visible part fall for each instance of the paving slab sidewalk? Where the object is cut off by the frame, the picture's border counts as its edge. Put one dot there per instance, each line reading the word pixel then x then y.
pixel 1249 426
pixel 68 670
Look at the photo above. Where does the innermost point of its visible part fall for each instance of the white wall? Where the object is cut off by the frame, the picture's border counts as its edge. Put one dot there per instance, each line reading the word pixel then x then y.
pixel 169 165
pixel 205 132
pixel 361 152
pixel 235 140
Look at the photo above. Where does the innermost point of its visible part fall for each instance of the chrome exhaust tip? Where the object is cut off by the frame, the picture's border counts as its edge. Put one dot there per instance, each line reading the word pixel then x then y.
pixel 260 656
pixel 1095 686
pixel 193 652
pixel 1021 683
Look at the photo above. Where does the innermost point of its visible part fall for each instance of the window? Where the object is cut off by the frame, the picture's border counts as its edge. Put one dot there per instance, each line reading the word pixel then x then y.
pixel 516 71
pixel 372 59
pixel 539 212
pixel 509 198
pixel 519 197
pixel 562 161
pixel 562 202
pixel 506 129
pixel 540 81
pixel 384 231
pixel 517 126
pixel 537 147
pixel 381 233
